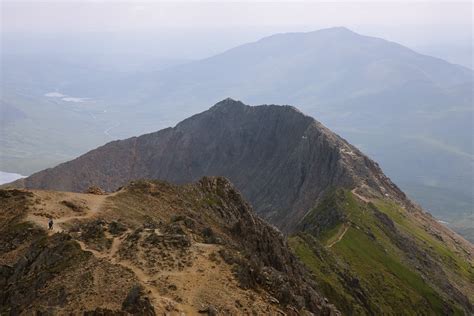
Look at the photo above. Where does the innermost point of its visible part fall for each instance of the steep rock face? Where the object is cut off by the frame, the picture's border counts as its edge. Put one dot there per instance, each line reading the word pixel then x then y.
pixel 280 159
pixel 150 249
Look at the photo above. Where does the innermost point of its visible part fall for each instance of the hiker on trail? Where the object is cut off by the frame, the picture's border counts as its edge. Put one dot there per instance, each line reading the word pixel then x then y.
pixel 50 224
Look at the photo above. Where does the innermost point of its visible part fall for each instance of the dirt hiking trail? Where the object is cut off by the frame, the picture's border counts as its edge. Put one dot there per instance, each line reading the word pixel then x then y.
pixel 87 206
pixel 54 206
pixel 342 231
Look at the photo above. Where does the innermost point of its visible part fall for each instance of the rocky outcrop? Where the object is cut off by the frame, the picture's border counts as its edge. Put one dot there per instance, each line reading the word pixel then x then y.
pixel 93 189
pixel 267 262
pixel 42 262
pixel 136 303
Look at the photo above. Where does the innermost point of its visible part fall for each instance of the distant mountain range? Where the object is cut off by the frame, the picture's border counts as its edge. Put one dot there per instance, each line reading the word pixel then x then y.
pixel 408 111
pixel 368 247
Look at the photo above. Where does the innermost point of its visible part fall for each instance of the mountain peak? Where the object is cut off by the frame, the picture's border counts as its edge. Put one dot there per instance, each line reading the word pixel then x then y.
pixel 338 29
pixel 231 103
pixel 228 102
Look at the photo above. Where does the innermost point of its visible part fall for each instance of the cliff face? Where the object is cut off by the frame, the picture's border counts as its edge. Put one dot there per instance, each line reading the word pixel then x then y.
pixel 280 159
pixel 151 248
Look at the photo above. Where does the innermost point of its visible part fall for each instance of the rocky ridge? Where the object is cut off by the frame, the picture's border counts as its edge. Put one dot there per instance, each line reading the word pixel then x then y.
pixel 148 249
pixel 280 159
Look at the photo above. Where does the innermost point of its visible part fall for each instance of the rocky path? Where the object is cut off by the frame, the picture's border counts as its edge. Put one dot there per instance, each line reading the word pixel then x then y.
pixel 52 207
pixel 144 279
pixel 94 204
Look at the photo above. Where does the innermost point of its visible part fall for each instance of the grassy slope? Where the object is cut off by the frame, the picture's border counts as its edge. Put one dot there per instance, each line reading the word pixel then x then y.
pixel 459 270
pixel 366 272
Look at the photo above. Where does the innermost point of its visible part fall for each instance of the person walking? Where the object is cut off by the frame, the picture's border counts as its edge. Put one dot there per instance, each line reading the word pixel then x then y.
pixel 50 223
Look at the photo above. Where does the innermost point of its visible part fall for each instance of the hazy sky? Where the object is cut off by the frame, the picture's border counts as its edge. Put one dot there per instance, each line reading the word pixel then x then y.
pixel 438 27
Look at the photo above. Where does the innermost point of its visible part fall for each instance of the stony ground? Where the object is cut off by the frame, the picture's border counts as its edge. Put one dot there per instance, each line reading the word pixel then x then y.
pixel 147 249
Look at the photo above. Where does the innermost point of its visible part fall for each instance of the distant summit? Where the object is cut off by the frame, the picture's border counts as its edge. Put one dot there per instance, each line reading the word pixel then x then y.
pixel 228 102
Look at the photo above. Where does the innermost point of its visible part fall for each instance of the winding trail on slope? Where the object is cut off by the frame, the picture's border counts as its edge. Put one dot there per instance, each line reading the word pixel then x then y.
pixel 141 276
pixel 341 233
pixel 343 230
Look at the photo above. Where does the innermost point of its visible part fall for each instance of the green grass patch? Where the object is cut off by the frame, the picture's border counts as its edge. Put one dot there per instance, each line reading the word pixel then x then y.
pixel 428 242
pixel 405 290
pixel 324 268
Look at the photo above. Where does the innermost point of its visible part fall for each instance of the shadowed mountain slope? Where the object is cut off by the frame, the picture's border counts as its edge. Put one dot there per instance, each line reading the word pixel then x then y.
pixel 280 159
